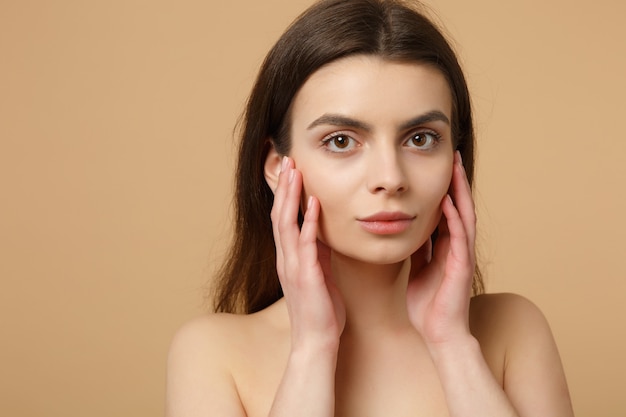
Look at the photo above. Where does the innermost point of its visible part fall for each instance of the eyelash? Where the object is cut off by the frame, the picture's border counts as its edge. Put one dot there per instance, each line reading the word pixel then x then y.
pixel 328 140
pixel 436 138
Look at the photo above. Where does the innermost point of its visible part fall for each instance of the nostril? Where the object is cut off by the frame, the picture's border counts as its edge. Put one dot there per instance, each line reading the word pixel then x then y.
pixel 387 177
pixel 390 190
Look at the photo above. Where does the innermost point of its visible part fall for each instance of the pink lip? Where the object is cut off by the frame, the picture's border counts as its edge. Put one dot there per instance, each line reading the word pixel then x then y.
pixel 386 223
pixel 387 216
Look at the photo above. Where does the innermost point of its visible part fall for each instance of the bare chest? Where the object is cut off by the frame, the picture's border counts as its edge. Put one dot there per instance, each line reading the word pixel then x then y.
pixel 399 380
pixel 396 379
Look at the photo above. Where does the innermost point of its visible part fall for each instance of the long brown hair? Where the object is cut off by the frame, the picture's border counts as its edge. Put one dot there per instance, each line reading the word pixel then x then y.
pixel 327 31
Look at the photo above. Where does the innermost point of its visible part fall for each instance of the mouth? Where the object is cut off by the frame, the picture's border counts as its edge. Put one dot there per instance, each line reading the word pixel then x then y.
pixel 386 223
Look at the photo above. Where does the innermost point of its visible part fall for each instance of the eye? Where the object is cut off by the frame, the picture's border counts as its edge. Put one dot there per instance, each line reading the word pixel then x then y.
pixel 423 140
pixel 339 142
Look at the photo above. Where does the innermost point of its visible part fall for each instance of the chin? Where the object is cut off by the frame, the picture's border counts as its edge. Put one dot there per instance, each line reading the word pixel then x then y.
pixel 379 253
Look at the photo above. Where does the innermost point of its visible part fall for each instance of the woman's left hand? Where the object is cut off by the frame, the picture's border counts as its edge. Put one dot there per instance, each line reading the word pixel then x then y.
pixel 439 289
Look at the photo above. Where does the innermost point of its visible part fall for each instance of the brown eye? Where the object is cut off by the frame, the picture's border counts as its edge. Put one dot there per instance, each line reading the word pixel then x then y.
pixel 423 140
pixel 339 143
pixel 419 140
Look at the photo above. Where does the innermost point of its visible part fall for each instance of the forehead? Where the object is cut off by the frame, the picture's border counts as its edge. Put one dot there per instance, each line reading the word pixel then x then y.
pixel 373 89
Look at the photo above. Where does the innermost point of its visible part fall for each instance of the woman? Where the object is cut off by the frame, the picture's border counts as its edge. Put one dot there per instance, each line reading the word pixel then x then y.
pixel 354 202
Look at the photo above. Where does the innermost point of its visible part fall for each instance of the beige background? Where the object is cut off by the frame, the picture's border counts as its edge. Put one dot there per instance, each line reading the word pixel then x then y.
pixel 115 171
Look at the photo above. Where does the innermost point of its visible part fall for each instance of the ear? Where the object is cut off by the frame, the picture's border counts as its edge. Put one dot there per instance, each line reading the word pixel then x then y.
pixel 272 167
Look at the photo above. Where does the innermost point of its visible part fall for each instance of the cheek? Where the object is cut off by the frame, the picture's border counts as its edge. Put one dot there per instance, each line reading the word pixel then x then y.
pixel 442 183
pixel 333 196
pixel 327 191
pixel 321 180
pixel 434 189
pixel 433 182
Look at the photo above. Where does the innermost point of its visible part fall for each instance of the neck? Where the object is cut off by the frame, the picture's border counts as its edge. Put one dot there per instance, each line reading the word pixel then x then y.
pixel 374 295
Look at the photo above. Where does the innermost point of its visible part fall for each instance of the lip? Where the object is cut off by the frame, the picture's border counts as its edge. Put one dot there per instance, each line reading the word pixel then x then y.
pixel 386 222
pixel 386 216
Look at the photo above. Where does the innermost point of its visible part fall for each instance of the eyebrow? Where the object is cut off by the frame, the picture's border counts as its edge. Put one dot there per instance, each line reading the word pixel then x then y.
pixel 431 116
pixel 340 120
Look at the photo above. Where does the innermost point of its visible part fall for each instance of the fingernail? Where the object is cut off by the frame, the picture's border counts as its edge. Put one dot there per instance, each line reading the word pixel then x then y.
pixel 459 160
pixel 450 199
pixel 309 201
pixel 292 173
pixel 283 164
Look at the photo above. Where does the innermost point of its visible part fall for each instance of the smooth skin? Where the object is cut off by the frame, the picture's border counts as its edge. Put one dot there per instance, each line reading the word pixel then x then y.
pixel 371 325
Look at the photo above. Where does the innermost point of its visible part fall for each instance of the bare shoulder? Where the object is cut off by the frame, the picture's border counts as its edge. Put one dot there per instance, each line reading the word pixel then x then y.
pixel 208 333
pixel 497 313
pixel 205 359
pixel 519 347
pixel 199 380
pixel 509 322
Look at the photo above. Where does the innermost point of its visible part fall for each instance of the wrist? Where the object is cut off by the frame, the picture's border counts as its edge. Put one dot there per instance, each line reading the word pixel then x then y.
pixel 316 349
pixel 313 360
pixel 454 350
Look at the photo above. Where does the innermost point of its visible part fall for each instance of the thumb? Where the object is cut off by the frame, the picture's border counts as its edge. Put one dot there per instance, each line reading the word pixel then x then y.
pixel 323 256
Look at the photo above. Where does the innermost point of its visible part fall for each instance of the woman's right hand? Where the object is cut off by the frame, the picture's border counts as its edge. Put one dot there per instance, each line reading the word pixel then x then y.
pixel 314 305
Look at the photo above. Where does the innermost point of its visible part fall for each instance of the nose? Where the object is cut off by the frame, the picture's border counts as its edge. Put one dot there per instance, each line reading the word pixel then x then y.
pixel 386 172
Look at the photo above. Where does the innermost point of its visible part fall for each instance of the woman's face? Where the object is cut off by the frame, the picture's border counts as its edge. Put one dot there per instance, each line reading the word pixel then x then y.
pixel 372 139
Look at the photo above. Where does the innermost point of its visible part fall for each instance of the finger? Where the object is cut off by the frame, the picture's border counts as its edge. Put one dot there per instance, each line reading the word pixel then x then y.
pixel 442 244
pixel 279 199
pixel 462 195
pixel 323 256
pixel 316 291
pixel 290 207
pixel 459 268
pixel 288 229
pixel 308 235
pixel 454 230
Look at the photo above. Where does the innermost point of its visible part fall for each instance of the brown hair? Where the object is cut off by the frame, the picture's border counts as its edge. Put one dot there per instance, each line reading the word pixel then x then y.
pixel 327 31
